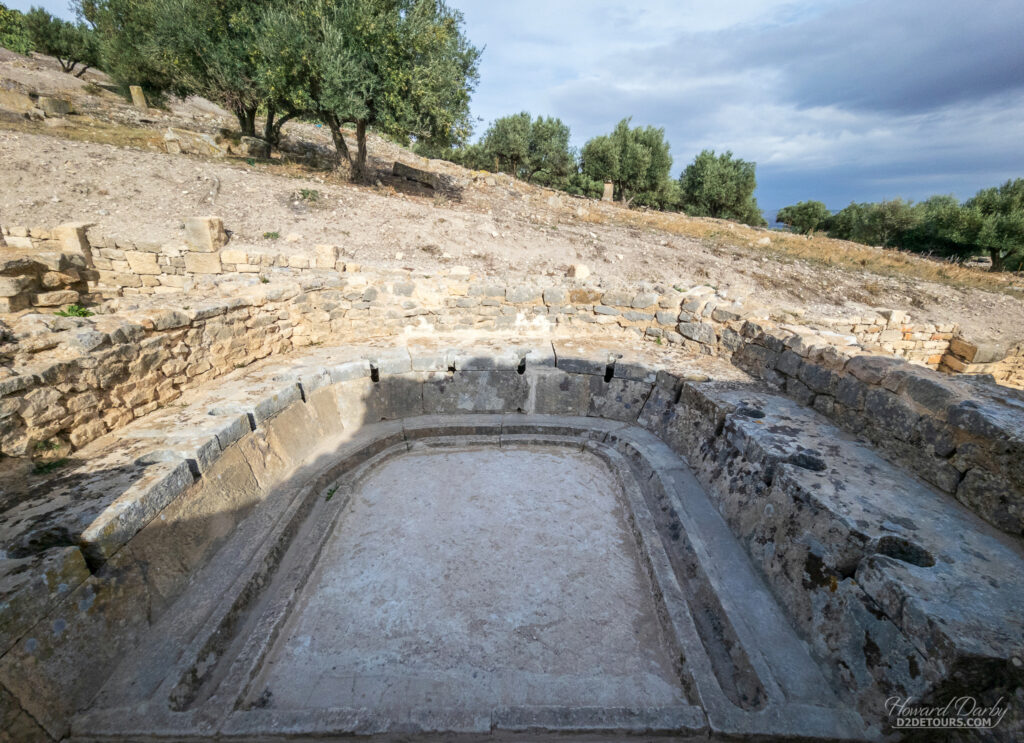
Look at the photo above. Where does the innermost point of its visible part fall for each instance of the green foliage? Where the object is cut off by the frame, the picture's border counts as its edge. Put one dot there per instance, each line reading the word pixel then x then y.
pixel 271 235
pixel 74 310
pixel 123 28
pixel 722 187
pixel 582 185
pixel 75 45
pixel 804 217
pixel 993 221
pixel 13 32
pixel 470 156
pixel 187 47
pixel 400 66
pixel 506 143
pixel 534 150
pixel 636 160
pixel 207 48
pixel 884 223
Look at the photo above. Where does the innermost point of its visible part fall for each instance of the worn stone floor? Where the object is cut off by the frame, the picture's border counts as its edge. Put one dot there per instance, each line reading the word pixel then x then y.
pixel 479 577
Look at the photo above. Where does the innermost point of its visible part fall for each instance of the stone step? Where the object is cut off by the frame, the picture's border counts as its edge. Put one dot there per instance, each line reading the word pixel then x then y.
pixel 861 553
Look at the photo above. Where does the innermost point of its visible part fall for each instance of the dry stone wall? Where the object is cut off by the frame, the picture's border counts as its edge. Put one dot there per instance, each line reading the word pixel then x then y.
pixel 857 550
pixel 141 353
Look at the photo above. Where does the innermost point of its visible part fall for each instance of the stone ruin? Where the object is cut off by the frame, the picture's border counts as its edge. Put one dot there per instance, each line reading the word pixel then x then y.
pixel 267 497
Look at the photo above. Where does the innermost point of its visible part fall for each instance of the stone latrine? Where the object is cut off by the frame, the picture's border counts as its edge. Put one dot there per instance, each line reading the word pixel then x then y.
pixel 804 522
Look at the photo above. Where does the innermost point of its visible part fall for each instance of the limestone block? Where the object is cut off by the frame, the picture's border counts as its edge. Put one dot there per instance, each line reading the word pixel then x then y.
pixel 205 234
pixel 474 392
pixel 701 332
pixel 142 263
pixel 13 304
pixel 52 106
pixel 12 286
pixel 55 299
pixel 138 97
pixel 326 256
pixel 255 147
pixel 238 257
pixel 119 278
pixel 644 300
pixel 578 271
pixel 522 294
pixel 73 238
pixel 617 399
pixel 556 296
pixel 208 263
pixel 556 392
pixel 617 299
pixel 424 177
pixel 31 585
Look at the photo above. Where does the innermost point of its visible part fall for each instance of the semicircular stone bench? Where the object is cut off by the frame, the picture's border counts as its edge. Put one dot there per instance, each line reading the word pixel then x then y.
pixel 330 546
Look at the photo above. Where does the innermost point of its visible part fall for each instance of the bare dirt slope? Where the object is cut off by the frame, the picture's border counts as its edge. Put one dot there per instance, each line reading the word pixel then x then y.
pixel 104 166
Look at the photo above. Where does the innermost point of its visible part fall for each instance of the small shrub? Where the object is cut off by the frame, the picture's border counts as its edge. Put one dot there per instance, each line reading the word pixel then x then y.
pixel 75 310
pixel 310 195
pixel 264 280
pixel 271 235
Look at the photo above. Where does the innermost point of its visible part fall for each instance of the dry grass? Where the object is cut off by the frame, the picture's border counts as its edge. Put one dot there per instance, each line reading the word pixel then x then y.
pixel 817 249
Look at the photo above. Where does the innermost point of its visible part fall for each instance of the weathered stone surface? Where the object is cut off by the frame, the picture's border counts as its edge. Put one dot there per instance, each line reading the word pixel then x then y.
pixel 138 97
pixel 255 147
pixel 55 299
pixel 475 391
pixel 206 263
pixel 701 332
pixel 578 271
pixel 424 177
pixel 205 234
pixel 53 106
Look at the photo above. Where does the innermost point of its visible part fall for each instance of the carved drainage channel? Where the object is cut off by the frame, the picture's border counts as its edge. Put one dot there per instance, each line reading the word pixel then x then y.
pixel 482 575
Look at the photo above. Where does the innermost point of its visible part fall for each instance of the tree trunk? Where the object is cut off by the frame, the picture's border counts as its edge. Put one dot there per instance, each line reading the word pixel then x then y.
pixel 332 123
pixel 246 121
pixel 82 71
pixel 997 259
pixel 268 126
pixel 272 129
pixel 359 171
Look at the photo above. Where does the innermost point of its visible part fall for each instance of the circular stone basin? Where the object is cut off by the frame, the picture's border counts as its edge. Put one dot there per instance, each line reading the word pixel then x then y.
pixel 480 578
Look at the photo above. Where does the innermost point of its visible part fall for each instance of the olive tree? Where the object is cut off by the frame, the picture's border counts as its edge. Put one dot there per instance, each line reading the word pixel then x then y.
pixel 804 217
pixel 534 150
pixel 636 160
pixel 74 45
pixel 993 222
pixel 720 186
pixel 403 67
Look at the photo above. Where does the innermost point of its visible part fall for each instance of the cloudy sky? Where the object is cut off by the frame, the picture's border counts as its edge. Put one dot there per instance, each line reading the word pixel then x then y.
pixel 838 100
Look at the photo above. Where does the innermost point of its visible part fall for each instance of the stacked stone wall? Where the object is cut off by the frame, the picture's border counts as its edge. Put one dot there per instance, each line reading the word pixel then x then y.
pixel 139 354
